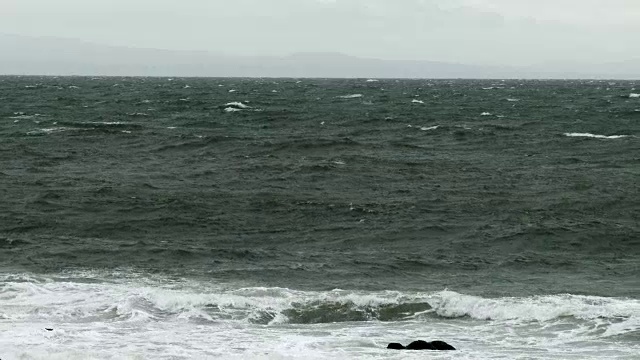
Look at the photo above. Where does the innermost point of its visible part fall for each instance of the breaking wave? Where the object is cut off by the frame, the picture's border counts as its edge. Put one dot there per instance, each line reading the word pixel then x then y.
pixel 85 298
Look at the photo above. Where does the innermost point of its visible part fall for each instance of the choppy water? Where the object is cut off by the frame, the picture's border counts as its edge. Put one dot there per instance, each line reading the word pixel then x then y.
pixel 145 218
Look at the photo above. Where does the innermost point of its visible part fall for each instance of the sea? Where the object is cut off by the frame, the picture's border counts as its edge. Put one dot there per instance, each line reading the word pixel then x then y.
pixel 233 218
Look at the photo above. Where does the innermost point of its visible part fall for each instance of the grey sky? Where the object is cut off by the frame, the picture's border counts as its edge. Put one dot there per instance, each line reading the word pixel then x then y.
pixel 517 32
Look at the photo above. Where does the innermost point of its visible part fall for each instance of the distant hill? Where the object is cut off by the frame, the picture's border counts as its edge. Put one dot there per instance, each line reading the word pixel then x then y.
pixel 21 55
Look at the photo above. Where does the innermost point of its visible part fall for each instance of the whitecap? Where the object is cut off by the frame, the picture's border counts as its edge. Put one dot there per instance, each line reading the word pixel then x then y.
pixel 45 131
pixel 232 91
pixel 22 117
pixel 137 315
pixel 513 100
pixel 372 80
pixel 595 136
pixel 634 95
pixel 352 96
pixel 485 114
pixel 237 104
pixel 232 109
pixel 540 308
pixel 429 128
pixel 417 101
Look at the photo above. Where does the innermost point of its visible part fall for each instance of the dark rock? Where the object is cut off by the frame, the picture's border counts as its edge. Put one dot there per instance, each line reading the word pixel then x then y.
pixel 422 345
pixel 441 345
pixel 48 329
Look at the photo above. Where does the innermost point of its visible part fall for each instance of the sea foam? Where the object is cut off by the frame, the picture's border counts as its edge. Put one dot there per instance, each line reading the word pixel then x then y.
pixel 589 135
pixel 126 314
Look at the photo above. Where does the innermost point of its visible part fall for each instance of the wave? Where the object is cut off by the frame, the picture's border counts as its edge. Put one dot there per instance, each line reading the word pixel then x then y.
pixel 126 296
pixel 45 131
pixel 633 95
pixel 236 104
pixel 95 126
pixel 425 128
pixel 352 96
pixel 595 136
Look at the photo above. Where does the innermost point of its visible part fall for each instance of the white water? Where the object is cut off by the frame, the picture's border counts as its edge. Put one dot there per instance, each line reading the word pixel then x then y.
pixel 595 136
pixel 125 315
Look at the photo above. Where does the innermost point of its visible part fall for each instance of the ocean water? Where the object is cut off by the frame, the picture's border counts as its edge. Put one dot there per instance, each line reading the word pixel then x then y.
pixel 195 218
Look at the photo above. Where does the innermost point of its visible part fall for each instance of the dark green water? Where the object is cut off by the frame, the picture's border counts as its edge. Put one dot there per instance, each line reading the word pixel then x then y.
pixel 309 190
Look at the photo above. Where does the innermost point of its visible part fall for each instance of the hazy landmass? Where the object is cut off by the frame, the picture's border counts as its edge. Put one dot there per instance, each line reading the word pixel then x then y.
pixel 21 55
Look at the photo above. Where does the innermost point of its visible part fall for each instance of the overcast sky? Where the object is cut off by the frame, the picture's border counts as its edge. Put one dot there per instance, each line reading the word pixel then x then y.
pixel 510 32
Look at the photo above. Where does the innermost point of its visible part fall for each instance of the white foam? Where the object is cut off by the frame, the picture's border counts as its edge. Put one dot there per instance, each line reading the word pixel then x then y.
pixel 352 96
pixel 539 308
pixel 595 136
pixel 372 80
pixel 232 91
pixel 513 100
pixel 47 131
pixel 633 95
pixel 22 117
pixel 237 104
pixel 232 109
pixel 485 114
pixel 417 101
pixel 124 314
pixel 429 128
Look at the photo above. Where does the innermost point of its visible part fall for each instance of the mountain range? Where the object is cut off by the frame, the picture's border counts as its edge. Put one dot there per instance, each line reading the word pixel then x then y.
pixel 23 55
